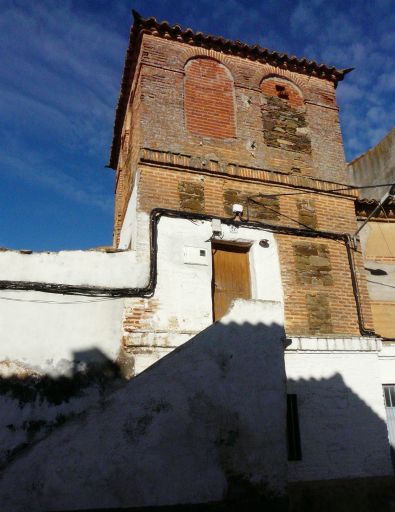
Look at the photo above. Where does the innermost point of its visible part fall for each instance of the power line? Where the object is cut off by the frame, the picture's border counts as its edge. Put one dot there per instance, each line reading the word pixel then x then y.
pixel 40 301
pixel 325 191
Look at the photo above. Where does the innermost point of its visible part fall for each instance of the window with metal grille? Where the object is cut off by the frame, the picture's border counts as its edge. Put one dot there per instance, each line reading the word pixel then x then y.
pixel 389 395
pixel 293 432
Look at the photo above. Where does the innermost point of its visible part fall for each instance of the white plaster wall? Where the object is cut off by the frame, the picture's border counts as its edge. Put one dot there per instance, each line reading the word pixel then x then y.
pixel 183 292
pixel 45 331
pixel 184 289
pixel 91 268
pixel 341 411
pixel 387 363
pixel 182 432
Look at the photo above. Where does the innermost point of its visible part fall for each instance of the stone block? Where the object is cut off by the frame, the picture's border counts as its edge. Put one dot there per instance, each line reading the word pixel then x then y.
pixel 319 313
pixel 313 265
pixel 191 195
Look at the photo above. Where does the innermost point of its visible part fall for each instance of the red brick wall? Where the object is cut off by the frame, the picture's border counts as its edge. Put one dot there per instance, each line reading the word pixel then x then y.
pixel 164 73
pixel 184 102
pixel 209 110
pixel 129 156
pixel 161 187
pixel 209 103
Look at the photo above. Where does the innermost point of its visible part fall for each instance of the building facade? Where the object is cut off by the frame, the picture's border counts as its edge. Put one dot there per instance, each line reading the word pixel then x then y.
pixel 231 207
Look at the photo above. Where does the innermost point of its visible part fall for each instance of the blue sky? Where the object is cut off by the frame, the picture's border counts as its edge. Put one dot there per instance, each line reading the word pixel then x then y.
pixel 61 65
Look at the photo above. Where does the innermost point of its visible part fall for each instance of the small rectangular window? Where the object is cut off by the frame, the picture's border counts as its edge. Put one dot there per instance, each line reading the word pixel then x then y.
pixel 389 395
pixel 293 432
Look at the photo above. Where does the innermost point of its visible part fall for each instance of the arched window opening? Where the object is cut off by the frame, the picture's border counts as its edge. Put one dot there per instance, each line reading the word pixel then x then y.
pixel 209 99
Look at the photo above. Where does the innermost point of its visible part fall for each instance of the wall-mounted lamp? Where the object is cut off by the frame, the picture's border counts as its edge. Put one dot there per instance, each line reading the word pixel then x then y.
pixel 237 210
pixel 264 243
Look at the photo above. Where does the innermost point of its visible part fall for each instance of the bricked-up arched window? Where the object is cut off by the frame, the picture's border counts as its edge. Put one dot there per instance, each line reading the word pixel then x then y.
pixel 284 116
pixel 209 99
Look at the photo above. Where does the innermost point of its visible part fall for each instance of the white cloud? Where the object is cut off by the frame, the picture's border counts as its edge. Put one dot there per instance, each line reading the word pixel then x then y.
pixel 58 89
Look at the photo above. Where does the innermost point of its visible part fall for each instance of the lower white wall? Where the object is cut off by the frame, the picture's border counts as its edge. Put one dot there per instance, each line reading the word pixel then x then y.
pixel 387 363
pixel 205 424
pixel 47 332
pixel 341 410
pixel 48 343
pixel 338 381
pixel 88 268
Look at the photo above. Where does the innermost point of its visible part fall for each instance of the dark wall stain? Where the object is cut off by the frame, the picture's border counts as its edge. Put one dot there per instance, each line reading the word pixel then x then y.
pixel 56 390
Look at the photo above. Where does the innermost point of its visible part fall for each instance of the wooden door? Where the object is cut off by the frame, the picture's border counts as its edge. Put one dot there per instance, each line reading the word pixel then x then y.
pixel 231 277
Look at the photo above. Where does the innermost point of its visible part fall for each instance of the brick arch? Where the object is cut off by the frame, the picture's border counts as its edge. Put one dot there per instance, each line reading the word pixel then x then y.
pixel 295 78
pixel 210 56
pixel 282 87
pixel 209 102
pixel 188 53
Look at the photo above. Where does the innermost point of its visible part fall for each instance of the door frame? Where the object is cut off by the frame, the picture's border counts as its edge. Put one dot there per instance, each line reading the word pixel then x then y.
pixel 242 244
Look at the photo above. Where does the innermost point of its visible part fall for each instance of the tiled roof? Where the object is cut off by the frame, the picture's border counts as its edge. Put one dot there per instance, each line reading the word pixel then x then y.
pixel 164 29
pixel 373 202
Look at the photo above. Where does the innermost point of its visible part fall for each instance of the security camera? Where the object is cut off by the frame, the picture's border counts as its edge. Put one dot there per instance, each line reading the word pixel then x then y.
pixel 237 209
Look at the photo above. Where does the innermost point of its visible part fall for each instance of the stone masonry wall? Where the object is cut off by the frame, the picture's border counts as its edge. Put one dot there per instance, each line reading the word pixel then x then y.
pixel 285 128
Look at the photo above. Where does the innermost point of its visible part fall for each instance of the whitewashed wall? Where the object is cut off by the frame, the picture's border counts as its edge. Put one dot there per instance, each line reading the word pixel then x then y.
pixel 90 268
pixel 207 423
pixel 183 297
pixel 48 332
pixel 387 363
pixel 338 381
pixel 341 410
pixel 184 283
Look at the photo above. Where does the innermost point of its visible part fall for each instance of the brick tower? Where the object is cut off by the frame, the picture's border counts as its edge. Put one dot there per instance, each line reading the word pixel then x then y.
pixel 203 123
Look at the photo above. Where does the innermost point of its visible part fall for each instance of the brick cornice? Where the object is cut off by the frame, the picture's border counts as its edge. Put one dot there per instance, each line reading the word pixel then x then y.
pixel 204 166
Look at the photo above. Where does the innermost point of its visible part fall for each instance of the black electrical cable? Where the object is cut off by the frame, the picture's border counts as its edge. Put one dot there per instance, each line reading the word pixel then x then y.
pixel 274 210
pixel 148 291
